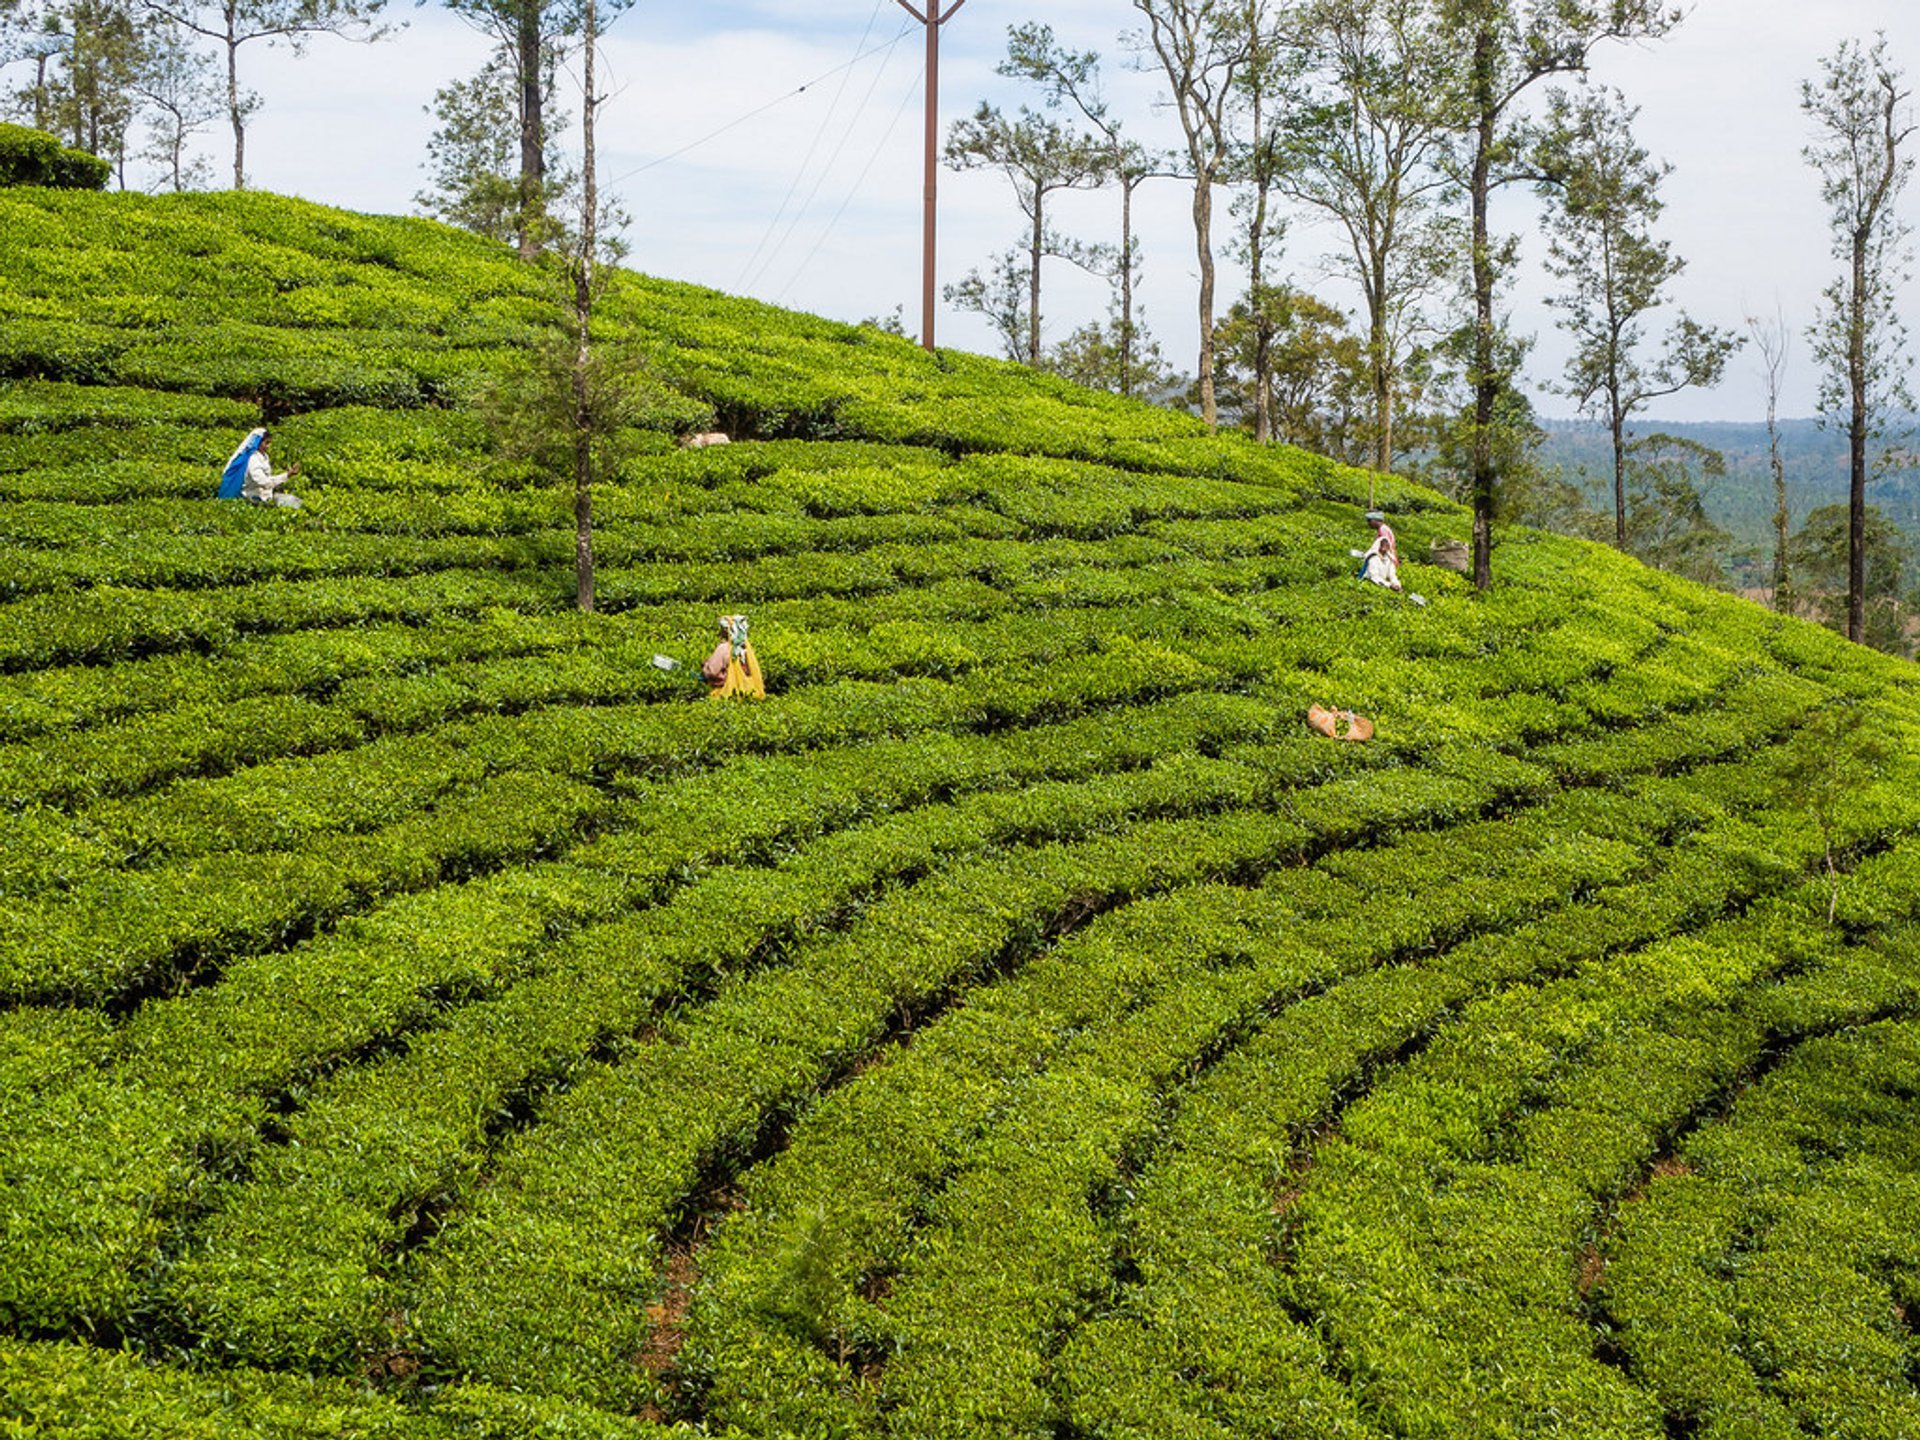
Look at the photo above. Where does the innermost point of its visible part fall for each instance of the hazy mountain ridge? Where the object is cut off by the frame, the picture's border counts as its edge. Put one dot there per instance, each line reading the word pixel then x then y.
pixel 1742 499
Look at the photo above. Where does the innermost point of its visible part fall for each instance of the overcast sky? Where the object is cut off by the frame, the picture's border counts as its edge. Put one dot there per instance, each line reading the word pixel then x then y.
pixel 740 179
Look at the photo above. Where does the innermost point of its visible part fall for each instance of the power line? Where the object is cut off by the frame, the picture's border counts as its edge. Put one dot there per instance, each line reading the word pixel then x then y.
pixel 879 147
pixel 806 163
pixel 761 110
pixel 821 179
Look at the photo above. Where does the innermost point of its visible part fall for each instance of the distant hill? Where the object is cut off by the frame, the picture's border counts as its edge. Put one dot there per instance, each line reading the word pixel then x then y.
pixel 1816 464
pixel 422 1017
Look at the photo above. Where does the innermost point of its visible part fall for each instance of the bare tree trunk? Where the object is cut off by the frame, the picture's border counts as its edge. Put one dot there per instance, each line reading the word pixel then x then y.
pixel 1486 383
pixel 583 307
pixel 1190 38
pixel 233 103
pixel 1380 365
pixel 40 113
pixel 1770 339
pixel 1857 426
pixel 1782 581
pixel 1263 380
pixel 1203 245
pixel 1126 284
pixel 533 150
pixel 1037 249
pixel 1617 430
pixel 1257 277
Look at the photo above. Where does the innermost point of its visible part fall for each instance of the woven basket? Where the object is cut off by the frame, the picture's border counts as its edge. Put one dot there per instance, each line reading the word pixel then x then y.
pixel 1340 724
pixel 1449 555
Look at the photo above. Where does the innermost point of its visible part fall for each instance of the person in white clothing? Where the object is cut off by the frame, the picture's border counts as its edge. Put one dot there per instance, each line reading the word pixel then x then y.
pixel 1383 536
pixel 1380 564
pixel 1379 568
pixel 262 485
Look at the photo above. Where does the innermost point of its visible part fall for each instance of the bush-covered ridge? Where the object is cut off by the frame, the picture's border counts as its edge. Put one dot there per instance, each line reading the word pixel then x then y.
pixel 33 157
pixel 420 1020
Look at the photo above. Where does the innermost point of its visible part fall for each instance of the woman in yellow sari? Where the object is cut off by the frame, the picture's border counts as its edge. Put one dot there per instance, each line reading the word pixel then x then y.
pixel 732 669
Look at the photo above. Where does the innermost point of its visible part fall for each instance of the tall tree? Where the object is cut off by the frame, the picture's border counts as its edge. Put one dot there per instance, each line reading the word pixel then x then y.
pixel 32 32
pixel 86 57
pixel 1201 45
pixel 1263 90
pixel 1772 340
pixel 180 96
pixel 1862 125
pixel 583 288
pixel 1366 153
pixel 572 403
pixel 474 155
pixel 1072 77
pixel 232 24
pixel 1038 156
pixel 1510 46
pixel 1603 196
pixel 19 28
pixel 89 95
pixel 533 36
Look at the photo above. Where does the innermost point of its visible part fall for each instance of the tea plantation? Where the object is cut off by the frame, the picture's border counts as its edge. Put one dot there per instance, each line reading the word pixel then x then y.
pixel 422 1017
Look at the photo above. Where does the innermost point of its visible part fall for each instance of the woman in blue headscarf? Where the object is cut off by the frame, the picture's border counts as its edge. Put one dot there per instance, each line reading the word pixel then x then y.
pixel 249 475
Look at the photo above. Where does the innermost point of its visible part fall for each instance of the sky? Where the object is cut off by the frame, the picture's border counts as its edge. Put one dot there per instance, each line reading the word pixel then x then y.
pixel 773 148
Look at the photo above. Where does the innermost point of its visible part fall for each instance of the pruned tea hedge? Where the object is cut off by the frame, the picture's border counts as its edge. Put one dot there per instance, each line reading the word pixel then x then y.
pixel 423 1015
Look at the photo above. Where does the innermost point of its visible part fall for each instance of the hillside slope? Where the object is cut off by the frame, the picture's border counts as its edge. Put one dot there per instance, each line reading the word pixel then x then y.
pixel 421 1016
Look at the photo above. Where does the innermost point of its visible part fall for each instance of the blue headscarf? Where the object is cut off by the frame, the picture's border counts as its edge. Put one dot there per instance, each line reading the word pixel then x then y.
pixel 235 475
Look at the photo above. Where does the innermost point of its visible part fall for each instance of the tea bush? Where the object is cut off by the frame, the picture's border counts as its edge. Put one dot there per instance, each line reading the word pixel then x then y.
pixel 33 157
pixel 422 1015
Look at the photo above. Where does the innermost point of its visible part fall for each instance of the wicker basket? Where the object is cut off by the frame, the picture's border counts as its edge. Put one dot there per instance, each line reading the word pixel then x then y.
pixel 1449 555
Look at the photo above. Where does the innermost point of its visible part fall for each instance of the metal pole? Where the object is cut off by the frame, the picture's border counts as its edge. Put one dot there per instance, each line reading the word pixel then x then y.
pixel 933 19
pixel 929 222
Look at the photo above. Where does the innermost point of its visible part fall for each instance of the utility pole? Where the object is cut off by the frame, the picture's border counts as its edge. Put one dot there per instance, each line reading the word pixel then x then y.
pixel 933 17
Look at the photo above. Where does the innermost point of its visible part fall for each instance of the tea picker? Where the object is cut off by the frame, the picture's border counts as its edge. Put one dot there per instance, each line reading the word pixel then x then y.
pixel 249 474
pixel 732 671
pixel 1380 561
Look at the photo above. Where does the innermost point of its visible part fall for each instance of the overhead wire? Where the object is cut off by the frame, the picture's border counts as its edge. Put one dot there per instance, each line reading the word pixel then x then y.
pixel 821 179
pixel 880 144
pixel 757 111
pixel 813 148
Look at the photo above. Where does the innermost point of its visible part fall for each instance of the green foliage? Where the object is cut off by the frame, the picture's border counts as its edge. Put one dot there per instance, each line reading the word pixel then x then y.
pixel 1835 756
pixel 33 157
pixel 1818 555
pixel 1667 526
pixel 1605 192
pixel 532 405
pixel 422 1016
pixel 1316 384
pixel 474 155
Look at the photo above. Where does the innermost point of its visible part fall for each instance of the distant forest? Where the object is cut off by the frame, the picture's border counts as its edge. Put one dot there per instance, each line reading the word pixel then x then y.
pixel 1741 500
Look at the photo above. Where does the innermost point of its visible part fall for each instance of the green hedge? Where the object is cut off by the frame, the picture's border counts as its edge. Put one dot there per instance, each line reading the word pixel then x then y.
pixel 1019 1024
pixel 33 157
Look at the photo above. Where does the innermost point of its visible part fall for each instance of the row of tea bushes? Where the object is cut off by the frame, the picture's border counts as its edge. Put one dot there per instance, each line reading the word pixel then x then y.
pixel 308 1215
pixel 76 1392
pixel 1759 1283
pixel 1013 1119
pixel 279 1017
